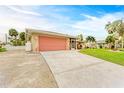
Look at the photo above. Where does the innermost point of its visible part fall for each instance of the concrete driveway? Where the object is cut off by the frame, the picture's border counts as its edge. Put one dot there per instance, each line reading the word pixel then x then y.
pixel 24 70
pixel 73 69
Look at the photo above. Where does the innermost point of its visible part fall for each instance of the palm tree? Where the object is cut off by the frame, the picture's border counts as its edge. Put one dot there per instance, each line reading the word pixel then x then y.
pixel 117 29
pixel 90 40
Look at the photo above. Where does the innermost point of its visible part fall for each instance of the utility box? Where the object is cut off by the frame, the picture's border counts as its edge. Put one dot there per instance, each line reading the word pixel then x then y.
pixel 28 46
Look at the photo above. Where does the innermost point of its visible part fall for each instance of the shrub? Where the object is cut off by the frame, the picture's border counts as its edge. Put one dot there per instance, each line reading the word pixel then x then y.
pixel 14 42
pixel 0 46
pixel 22 43
pixel 112 47
pixel 18 42
pixel 100 46
pixel 2 49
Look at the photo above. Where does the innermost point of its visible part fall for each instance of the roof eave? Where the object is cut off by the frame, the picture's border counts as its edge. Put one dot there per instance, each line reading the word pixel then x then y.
pixel 31 31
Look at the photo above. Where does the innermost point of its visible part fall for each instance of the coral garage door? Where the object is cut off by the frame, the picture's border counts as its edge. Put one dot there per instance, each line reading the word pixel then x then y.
pixel 51 43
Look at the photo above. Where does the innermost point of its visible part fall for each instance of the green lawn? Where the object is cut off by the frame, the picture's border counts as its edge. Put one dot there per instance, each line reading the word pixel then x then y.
pixel 2 49
pixel 115 57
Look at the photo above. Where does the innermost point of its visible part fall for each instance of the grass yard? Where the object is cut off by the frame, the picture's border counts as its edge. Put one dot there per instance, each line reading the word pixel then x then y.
pixel 2 49
pixel 114 57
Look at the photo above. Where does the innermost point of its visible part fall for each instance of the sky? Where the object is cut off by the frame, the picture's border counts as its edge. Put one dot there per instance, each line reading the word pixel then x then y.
pixel 89 20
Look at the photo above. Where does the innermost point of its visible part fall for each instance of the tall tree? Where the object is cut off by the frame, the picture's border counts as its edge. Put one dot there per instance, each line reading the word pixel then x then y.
pixel 117 29
pixel 22 36
pixel 13 32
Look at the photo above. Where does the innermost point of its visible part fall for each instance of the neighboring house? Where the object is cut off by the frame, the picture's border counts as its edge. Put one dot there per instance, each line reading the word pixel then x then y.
pixel 101 44
pixel 91 44
pixel 49 41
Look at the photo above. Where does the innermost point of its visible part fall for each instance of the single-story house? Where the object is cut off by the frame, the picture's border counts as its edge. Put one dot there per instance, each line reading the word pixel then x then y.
pixel 101 43
pixel 49 41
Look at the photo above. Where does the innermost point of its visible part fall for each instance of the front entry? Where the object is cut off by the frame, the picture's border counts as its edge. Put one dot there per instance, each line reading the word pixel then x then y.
pixel 72 43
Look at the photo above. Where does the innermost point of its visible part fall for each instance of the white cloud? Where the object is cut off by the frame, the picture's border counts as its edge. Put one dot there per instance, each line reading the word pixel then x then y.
pixel 20 20
pixel 23 11
pixel 23 18
pixel 96 25
pixel 88 16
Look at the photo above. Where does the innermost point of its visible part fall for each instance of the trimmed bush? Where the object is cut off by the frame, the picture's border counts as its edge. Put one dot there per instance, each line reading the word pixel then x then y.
pixel 18 42
pixel 2 49
pixel 14 42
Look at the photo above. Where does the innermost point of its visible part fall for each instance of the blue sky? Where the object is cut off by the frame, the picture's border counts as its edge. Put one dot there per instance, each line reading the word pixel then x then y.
pixel 72 19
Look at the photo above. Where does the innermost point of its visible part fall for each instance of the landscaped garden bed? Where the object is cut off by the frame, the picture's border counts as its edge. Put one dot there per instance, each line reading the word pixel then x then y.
pixel 105 54
pixel 2 49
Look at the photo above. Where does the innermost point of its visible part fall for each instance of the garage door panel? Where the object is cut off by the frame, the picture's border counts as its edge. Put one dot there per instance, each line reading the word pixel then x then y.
pixel 51 43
